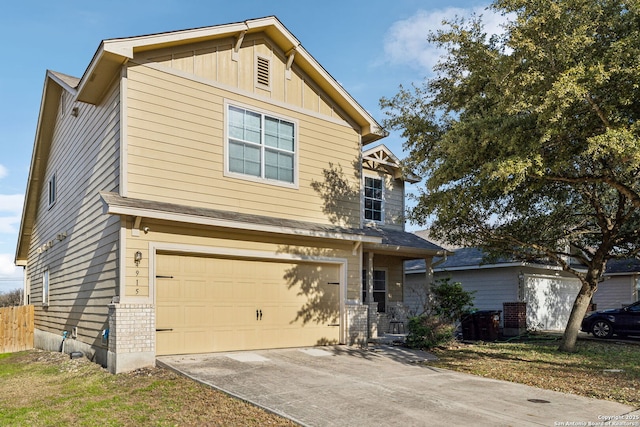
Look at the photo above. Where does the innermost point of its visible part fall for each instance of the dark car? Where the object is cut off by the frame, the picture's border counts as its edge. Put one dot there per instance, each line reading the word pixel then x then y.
pixel 620 321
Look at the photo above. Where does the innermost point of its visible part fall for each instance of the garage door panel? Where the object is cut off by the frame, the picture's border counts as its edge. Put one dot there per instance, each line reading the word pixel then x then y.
pixel 195 290
pixel 197 315
pixel 233 304
pixel 549 301
pixel 167 341
pixel 198 341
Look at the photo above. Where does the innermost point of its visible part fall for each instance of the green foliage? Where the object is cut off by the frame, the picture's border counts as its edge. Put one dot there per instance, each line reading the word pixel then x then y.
pixel 426 332
pixel 529 141
pixel 436 327
pixel 450 300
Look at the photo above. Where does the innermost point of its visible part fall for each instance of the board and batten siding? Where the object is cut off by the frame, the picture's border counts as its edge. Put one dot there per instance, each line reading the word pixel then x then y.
pixel 83 257
pixel 211 239
pixel 176 151
pixel 212 61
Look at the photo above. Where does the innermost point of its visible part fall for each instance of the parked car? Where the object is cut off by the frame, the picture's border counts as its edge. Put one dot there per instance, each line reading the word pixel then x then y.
pixel 620 321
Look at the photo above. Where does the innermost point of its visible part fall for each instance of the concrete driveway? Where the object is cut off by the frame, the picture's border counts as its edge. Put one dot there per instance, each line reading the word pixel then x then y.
pixel 384 385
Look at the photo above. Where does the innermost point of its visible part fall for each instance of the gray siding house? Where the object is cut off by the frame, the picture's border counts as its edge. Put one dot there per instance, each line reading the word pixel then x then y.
pixel 548 291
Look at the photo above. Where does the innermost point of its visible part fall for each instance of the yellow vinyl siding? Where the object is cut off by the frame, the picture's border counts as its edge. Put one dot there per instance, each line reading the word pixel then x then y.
pixel 83 266
pixel 176 151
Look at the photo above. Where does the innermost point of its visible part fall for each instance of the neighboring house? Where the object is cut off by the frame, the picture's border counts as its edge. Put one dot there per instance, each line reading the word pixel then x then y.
pixel 621 285
pixel 210 190
pixel 549 292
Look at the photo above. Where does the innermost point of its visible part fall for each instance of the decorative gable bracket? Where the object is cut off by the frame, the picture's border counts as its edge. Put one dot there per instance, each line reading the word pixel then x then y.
pixel 290 56
pixel 380 158
pixel 235 55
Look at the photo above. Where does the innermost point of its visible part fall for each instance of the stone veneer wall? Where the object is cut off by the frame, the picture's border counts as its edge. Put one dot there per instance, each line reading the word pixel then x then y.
pixel 131 337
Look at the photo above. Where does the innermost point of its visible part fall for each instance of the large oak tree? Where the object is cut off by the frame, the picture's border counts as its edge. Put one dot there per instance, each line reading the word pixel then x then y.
pixel 529 140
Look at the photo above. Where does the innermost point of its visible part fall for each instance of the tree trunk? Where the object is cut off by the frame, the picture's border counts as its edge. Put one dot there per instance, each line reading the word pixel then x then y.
pixel 580 306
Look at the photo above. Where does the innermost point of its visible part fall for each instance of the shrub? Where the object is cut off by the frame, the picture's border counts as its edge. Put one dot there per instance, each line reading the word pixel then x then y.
pixel 450 300
pixel 426 332
pixel 437 325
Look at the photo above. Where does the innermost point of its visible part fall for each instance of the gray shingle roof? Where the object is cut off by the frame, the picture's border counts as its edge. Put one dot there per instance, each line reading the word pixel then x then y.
pixel 401 239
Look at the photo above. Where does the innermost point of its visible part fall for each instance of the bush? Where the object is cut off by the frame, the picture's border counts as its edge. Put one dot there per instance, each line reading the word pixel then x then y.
pixel 437 326
pixel 426 332
pixel 450 301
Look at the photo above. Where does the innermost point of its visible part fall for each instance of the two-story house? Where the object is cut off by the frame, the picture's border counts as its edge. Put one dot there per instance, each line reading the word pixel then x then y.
pixel 208 190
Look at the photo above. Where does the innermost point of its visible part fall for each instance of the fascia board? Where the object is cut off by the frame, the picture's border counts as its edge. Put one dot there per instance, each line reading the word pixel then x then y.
pixel 61 83
pixel 370 128
pixel 48 111
pixel 407 252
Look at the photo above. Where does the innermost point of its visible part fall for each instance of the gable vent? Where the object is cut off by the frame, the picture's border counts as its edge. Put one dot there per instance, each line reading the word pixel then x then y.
pixel 263 71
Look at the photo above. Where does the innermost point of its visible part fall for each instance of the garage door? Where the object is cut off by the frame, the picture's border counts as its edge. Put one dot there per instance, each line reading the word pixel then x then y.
pixel 549 301
pixel 206 304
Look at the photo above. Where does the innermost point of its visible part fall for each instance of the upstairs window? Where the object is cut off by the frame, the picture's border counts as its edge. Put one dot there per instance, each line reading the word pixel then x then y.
pixel 373 201
pixel 261 146
pixel 52 190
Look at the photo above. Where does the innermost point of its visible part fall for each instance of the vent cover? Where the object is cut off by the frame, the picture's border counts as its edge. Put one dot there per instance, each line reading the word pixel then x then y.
pixel 262 71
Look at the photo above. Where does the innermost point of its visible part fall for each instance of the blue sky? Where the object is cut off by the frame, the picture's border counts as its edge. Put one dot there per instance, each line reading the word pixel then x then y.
pixel 370 47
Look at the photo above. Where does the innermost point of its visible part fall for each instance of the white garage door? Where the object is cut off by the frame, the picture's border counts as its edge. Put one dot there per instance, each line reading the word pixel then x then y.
pixel 206 304
pixel 549 301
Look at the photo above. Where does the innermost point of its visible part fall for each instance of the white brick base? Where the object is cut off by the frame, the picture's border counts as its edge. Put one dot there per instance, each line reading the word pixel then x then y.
pixel 357 324
pixel 132 330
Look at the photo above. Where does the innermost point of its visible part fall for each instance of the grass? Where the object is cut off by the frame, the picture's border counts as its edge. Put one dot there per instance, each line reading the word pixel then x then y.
pixel 608 370
pixel 40 388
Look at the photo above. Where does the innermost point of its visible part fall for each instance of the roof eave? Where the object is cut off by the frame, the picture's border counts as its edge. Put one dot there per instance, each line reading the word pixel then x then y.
pixel 406 252
pixel 113 206
pixel 49 104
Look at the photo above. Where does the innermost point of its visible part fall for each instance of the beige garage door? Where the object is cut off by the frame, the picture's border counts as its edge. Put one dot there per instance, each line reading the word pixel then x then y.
pixel 206 304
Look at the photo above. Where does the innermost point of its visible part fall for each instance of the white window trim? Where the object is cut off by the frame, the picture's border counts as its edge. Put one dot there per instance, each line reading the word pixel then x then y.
pixel 52 182
pixel 296 152
pixel 384 201
pixel 46 290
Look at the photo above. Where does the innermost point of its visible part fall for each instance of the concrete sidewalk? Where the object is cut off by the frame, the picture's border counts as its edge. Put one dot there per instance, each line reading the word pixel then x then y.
pixel 384 385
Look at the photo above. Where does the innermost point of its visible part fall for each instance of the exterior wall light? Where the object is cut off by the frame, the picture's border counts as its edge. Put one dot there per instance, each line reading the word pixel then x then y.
pixel 137 258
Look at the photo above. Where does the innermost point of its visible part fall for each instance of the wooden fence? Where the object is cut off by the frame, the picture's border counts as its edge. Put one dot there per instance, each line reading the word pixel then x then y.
pixel 16 328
